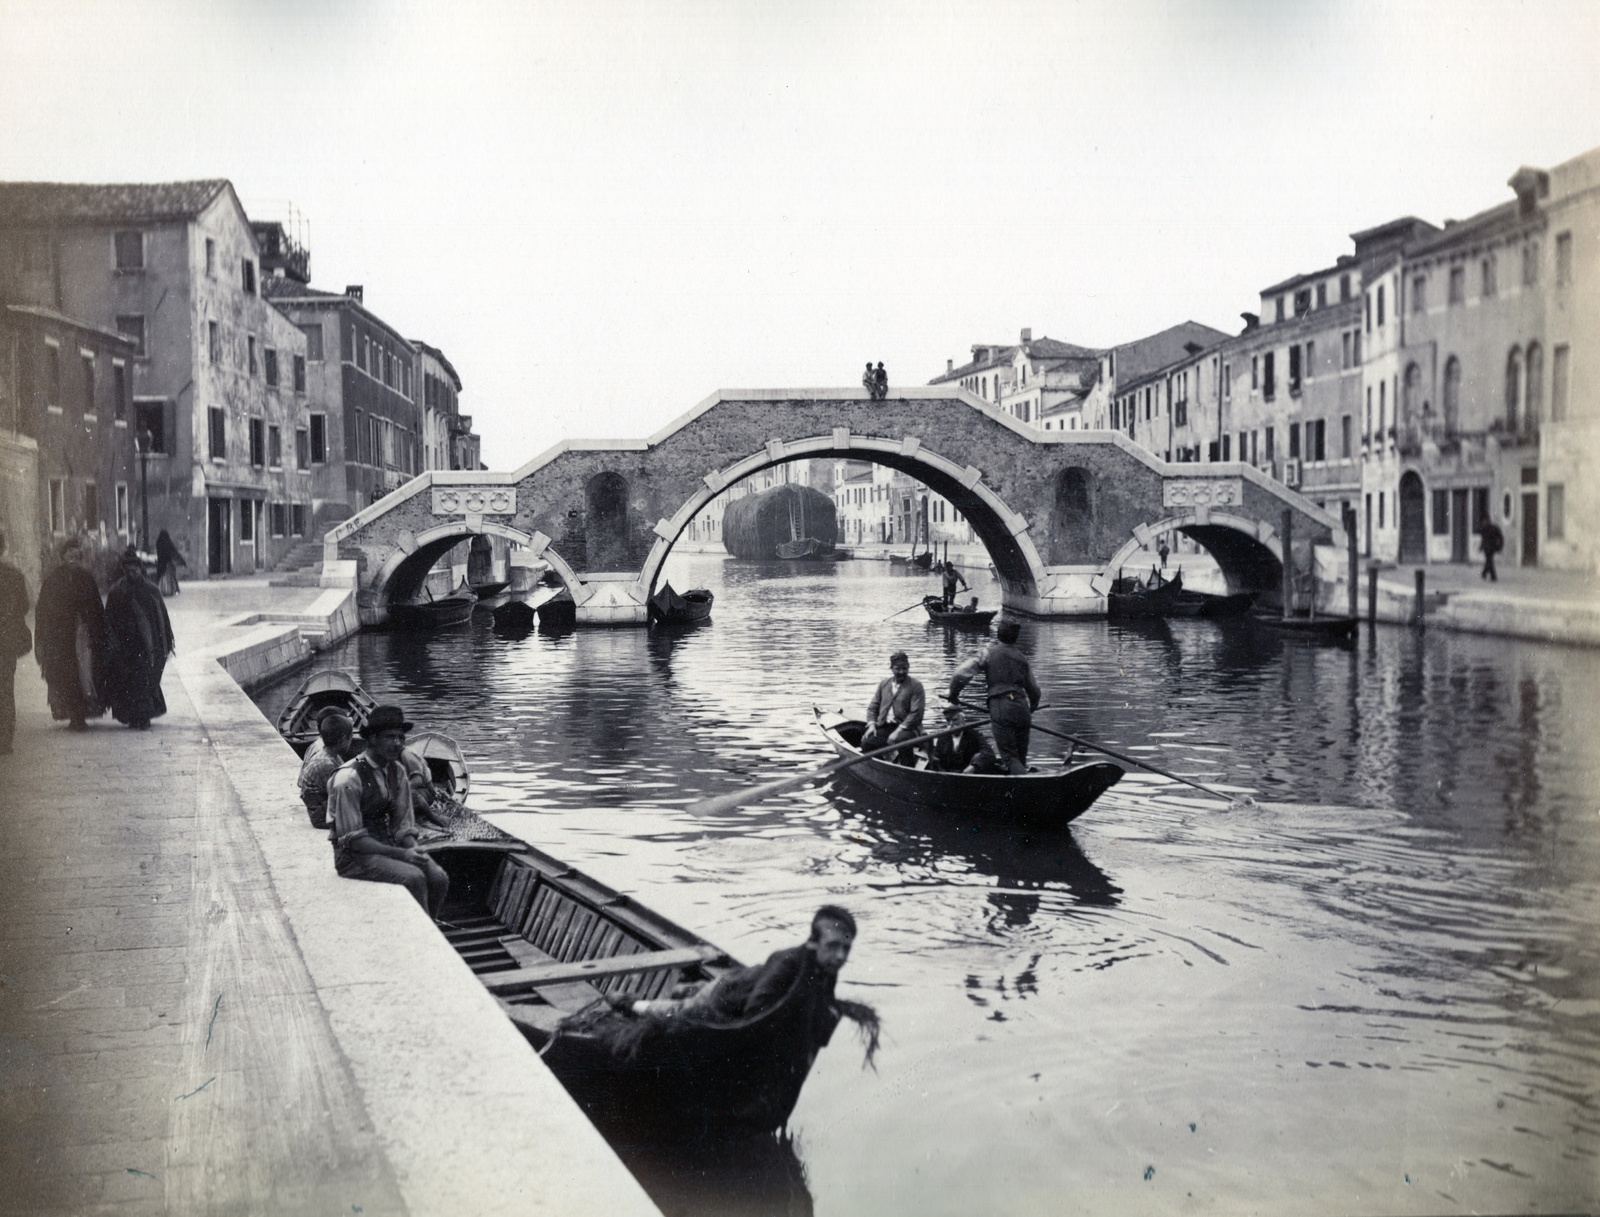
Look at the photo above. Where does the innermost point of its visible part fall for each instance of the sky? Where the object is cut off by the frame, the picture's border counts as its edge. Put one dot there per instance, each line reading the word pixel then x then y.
pixel 605 212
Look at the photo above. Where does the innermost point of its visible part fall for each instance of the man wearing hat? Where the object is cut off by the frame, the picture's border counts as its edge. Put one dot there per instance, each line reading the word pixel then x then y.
pixel 1012 691
pixel 374 832
pixel 895 711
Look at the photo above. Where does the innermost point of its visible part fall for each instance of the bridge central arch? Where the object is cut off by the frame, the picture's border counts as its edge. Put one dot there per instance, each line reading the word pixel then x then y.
pixel 1002 530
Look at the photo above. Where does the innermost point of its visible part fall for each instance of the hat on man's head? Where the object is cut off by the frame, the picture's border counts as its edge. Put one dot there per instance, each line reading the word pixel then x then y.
pixel 131 554
pixel 898 657
pixel 385 718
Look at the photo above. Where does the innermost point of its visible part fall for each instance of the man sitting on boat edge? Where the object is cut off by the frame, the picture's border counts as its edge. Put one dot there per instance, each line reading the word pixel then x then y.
pixel 1013 693
pixel 331 749
pixel 374 831
pixel 895 711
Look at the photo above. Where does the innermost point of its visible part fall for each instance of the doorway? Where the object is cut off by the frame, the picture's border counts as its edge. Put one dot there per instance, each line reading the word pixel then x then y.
pixel 1530 529
pixel 1413 519
pixel 219 538
pixel 1459 535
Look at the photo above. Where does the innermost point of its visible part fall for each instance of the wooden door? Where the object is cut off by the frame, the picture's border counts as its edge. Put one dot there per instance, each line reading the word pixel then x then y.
pixel 1530 529
pixel 1413 519
pixel 1460 536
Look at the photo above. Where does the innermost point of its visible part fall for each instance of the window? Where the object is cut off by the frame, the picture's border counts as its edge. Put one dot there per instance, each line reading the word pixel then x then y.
pixel 1316 440
pixel 313 335
pixel 218 433
pixel 1322 295
pixel 211 257
pixel 1556 511
pixel 1490 277
pixel 247 521
pixel 1380 508
pixel 1355 350
pixel 299 373
pixel 1278 309
pixel 91 505
pixel 251 342
pixel 1269 385
pixel 58 505
pixel 1294 371
pixel 119 390
pixel 151 421
pixel 1452 396
pixel 319 439
pixel 1558 383
pixel 1225 448
pixel 1563 262
pixel 129 248
pixel 1366 308
pixel 302 448
pixel 214 342
pixel 1419 293
pixel 1380 325
pixel 1302 302
pixel 1458 284
pixel 297 519
pixel 1530 264
pixel 247 277
pixel 275 446
pixel 1346 437
pixel 363 344
pixel 269 365
pixel 123 517
pixel 1344 287
pixel 1311 360
pixel 280 519
pixel 1270 446
pixel 131 325
pixel 1533 396
pixel 88 385
pixel 1383 407
pixel 1344 349
pixel 52 376
pixel 1513 388
pixel 258 443
pixel 1441 513
pixel 1294 441
pixel 405 378
pixel 1255 372
pixel 1369 411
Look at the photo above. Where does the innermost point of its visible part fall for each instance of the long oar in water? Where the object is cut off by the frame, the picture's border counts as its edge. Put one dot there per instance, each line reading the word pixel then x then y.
pixel 718 804
pixel 1233 800
pixel 907 609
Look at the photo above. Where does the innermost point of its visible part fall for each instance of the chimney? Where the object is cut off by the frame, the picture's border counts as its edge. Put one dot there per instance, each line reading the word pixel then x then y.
pixel 1027 335
pixel 949 366
pixel 353 290
pixel 1251 321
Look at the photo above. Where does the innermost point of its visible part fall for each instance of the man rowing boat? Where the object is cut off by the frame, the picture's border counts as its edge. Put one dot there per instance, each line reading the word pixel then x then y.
pixel 1013 694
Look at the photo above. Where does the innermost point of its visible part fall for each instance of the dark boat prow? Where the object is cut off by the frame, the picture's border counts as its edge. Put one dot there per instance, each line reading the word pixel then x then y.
pixel 669 608
pixel 957 618
pixel 329 689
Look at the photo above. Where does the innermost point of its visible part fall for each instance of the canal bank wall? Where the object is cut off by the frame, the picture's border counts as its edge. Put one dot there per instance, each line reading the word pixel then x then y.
pixel 201 1017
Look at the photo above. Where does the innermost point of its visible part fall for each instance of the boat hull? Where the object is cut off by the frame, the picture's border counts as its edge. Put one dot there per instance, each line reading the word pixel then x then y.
pixel 1042 800
pixel 330 689
pixel 668 607
pixel 454 609
pixel 957 619
pixel 1327 629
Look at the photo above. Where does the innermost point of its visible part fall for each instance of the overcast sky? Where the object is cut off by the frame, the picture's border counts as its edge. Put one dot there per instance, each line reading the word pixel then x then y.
pixel 604 212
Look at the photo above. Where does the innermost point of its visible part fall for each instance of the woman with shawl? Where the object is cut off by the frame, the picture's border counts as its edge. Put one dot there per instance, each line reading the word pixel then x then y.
pixel 140 638
pixel 71 635
pixel 168 559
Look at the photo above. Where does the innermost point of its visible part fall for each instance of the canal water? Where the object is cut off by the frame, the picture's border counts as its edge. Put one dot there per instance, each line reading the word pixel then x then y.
pixel 1377 990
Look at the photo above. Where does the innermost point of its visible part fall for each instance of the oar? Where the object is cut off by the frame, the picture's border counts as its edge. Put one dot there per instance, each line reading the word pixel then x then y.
pixel 718 804
pixel 1233 800
pixel 907 609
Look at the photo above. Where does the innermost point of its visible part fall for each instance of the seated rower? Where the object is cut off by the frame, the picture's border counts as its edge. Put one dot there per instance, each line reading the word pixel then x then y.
pixel 374 830
pixel 895 711
pixel 742 993
pixel 965 751
pixel 331 748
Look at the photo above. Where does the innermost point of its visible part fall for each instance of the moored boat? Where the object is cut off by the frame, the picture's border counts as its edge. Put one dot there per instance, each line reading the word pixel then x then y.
pixel 486 591
pixel 329 689
pixel 1329 628
pixel 957 618
pixel 514 615
pixel 1156 596
pixel 447 767
pixel 554 946
pixel 667 607
pixel 1047 798
pixel 1205 604
pixel 454 609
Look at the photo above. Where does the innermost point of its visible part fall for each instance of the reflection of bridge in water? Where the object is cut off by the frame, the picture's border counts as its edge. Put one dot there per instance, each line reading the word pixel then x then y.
pixel 1054 510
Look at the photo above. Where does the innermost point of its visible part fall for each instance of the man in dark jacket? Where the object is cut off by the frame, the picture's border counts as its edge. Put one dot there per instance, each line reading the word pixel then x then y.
pixel 70 625
pixel 14 643
pixel 1493 541
pixel 1013 694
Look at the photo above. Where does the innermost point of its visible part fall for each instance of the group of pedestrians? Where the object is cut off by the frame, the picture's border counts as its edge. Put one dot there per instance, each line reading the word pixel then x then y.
pixel 875 381
pixel 93 656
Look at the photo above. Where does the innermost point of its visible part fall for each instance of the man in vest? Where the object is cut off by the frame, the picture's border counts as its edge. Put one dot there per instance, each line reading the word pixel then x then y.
pixel 1013 694
pixel 374 831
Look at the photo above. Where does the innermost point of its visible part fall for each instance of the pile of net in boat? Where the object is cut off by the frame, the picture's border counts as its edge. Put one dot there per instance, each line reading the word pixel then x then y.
pixel 462 825
pixel 754 526
pixel 624 1033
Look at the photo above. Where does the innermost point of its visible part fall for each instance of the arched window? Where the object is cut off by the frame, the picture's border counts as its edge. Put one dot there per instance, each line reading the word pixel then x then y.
pixel 1513 387
pixel 1411 398
pixel 1533 394
pixel 1452 396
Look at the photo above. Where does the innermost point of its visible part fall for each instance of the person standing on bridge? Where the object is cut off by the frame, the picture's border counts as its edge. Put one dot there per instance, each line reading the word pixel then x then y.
pixel 1013 694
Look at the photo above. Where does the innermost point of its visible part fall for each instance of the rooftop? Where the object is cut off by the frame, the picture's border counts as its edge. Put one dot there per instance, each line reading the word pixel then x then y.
pixel 24 203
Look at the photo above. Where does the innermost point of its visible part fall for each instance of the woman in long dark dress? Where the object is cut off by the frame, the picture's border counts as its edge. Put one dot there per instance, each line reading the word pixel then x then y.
pixel 139 641
pixel 168 559
pixel 70 638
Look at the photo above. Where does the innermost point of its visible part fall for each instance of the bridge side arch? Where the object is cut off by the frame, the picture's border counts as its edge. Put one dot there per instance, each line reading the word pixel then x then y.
pixel 406 568
pixel 1247 551
pixel 1003 531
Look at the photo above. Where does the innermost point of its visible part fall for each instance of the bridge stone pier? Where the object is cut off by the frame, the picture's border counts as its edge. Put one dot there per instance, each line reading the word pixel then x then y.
pixel 1057 511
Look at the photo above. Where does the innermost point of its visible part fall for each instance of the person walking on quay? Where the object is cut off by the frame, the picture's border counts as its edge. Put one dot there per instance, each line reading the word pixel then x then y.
pixel 374 832
pixel 1013 694
pixel 895 711
pixel 880 382
pixel 15 642
pixel 168 559
pixel 1493 541
pixel 1162 551
pixel 138 641
pixel 71 641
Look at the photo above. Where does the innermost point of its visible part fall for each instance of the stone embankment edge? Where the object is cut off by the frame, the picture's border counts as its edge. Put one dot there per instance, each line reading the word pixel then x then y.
pixel 468 1116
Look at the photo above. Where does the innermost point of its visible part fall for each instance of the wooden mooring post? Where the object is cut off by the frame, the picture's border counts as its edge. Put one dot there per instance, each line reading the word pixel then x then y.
pixel 1353 559
pixel 1372 594
pixel 1417 609
pixel 1288 563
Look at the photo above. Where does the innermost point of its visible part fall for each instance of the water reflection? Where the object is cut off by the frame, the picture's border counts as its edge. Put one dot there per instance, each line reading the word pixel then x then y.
pixel 752 1177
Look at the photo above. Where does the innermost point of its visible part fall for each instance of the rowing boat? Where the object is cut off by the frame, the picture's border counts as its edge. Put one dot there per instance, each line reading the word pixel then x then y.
pixel 454 609
pixel 958 618
pixel 1154 597
pixel 552 944
pixel 1046 798
pixel 329 689
pixel 487 591
pixel 667 607
pixel 1301 623
pixel 447 767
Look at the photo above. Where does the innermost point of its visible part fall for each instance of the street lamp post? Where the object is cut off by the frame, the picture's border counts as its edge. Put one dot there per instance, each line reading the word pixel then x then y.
pixel 142 443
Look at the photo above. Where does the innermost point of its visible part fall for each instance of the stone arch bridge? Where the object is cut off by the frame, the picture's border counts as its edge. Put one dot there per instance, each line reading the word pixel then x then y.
pixel 1055 510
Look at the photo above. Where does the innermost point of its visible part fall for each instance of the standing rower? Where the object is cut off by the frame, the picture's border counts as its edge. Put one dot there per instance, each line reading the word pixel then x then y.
pixel 1013 694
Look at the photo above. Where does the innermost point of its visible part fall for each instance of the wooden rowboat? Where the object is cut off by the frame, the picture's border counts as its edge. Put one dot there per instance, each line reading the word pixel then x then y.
pixel 1327 629
pixel 447 767
pixel 454 609
pixel 1046 798
pixel 550 942
pixel 1156 597
pixel 667 607
pixel 330 689
pixel 960 619
pixel 485 591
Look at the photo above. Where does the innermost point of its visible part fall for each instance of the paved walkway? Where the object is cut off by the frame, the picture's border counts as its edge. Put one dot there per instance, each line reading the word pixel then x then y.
pixel 197 1016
